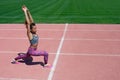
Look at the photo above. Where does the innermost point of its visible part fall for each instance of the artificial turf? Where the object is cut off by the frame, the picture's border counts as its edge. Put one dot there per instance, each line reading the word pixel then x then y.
pixel 62 11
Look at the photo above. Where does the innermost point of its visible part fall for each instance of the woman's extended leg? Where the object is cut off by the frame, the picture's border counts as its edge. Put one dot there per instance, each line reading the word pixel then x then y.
pixel 22 56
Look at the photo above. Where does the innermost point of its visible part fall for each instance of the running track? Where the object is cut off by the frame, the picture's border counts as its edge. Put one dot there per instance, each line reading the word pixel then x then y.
pixel 76 51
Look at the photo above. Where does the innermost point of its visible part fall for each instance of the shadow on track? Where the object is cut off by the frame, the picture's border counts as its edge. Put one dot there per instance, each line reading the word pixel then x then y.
pixel 29 60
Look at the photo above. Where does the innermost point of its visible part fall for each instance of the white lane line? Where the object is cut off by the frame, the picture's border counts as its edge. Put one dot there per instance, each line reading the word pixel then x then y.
pixel 72 39
pixel 69 54
pixel 57 55
pixel 88 39
pixel 1 78
pixel 25 29
pixel 92 54
pixel 17 38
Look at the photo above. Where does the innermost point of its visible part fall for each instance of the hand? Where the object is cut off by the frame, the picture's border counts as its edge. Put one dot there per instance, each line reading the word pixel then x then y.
pixel 24 8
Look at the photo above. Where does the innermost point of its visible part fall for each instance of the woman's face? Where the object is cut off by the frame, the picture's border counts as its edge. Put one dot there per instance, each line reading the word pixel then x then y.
pixel 34 29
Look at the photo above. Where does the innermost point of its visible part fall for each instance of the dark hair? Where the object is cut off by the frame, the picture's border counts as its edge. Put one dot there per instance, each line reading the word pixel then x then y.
pixel 31 25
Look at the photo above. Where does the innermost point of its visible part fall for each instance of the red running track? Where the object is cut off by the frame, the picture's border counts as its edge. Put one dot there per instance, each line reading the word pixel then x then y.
pixel 76 51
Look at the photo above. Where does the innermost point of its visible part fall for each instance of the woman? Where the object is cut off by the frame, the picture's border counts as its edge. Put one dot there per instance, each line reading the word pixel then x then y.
pixel 33 39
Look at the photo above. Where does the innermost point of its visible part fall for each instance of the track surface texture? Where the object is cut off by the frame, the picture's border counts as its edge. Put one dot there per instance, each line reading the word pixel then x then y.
pixel 76 52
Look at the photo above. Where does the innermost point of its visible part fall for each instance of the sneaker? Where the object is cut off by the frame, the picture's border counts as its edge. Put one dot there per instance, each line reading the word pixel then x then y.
pixel 47 66
pixel 14 61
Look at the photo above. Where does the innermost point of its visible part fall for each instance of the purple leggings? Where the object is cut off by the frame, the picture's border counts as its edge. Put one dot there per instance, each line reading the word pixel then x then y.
pixel 34 52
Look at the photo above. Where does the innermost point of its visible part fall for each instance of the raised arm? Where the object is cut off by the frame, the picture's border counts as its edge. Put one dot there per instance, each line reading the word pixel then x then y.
pixel 25 10
pixel 30 17
pixel 29 34
pixel 27 23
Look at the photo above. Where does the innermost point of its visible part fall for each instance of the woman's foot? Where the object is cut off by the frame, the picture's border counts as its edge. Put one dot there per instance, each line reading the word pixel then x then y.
pixel 14 61
pixel 47 66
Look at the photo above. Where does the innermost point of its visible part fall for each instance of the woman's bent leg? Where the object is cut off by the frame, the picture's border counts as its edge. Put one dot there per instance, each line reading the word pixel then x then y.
pixel 35 52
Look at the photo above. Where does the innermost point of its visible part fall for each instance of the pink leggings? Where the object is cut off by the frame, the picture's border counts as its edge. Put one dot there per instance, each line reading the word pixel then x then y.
pixel 34 52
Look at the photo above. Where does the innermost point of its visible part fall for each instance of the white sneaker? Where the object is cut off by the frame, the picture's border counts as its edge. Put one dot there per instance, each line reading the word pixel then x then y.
pixel 14 61
pixel 47 66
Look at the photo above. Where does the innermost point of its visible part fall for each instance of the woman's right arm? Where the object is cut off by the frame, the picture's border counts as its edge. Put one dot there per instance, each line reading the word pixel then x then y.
pixel 30 17
pixel 27 23
pixel 25 10
pixel 29 34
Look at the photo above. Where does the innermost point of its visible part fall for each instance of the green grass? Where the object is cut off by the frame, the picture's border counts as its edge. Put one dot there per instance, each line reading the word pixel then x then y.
pixel 62 11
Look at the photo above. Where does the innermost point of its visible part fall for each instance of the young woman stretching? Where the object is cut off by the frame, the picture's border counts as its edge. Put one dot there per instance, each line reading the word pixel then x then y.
pixel 33 39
